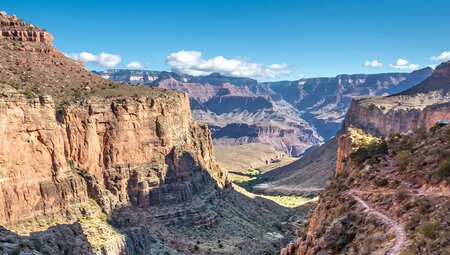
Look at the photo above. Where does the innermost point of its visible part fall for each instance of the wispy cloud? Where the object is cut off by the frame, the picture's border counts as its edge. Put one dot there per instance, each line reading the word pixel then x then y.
pixel 403 64
pixel 192 62
pixel 135 65
pixel 103 59
pixel 373 63
pixel 442 57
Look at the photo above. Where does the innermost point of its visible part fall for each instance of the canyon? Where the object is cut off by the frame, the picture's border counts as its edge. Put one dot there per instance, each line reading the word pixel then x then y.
pixel 291 116
pixel 393 190
pixel 123 162
pixel 91 166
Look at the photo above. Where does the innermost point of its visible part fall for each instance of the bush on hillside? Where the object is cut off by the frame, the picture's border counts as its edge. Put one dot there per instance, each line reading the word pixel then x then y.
pixel 381 182
pixel 444 168
pixel 369 150
pixel 402 159
pixel 429 229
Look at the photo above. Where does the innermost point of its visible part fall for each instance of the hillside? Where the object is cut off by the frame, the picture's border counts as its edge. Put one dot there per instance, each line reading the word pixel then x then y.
pixel 388 197
pixel 306 176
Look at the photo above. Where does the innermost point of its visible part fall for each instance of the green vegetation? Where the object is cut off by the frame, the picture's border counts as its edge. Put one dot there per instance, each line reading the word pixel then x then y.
pixel 444 168
pixel 254 172
pixel 286 201
pixel 401 194
pixel 402 159
pixel 429 229
pixel 290 201
pixel 28 93
pixel 381 182
pixel 248 183
pixel 366 147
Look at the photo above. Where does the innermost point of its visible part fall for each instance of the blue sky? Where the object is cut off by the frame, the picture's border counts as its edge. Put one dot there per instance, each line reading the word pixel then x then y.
pixel 268 40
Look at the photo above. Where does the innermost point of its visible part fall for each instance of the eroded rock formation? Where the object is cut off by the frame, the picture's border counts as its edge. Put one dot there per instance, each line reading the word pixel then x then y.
pixel 405 111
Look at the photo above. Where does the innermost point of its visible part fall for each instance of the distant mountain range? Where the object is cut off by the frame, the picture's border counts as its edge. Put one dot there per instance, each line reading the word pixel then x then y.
pixel 292 116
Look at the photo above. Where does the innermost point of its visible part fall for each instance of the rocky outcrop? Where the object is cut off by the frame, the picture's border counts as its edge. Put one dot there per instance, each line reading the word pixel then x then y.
pixel 344 149
pixel 405 111
pixel 17 30
pixel 67 145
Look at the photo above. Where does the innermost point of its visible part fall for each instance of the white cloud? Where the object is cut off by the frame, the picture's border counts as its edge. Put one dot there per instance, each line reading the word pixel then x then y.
pixel 444 56
pixel 135 65
pixel 103 59
pixel 373 63
pixel 403 64
pixel 191 62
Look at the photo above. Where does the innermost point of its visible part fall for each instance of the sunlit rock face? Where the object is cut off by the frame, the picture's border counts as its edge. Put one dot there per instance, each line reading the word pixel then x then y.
pixel 420 106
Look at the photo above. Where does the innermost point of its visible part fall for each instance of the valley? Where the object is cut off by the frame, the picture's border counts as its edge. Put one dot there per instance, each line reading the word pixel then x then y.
pixel 215 156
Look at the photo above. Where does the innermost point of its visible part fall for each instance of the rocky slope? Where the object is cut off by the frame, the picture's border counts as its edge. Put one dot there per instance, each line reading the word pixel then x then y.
pixel 420 106
pixel 388 197
pixel 306 176
pixel 90 166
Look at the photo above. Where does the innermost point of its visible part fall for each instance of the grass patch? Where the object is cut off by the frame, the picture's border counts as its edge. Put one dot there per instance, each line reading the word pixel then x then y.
pixel 290 201
pixel 429 229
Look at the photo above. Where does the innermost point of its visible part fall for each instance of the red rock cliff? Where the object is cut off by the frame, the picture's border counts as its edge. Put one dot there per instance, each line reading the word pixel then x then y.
pixel 405 111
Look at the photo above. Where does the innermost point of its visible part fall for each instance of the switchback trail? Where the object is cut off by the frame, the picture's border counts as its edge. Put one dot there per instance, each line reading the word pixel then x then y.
pixel 400 233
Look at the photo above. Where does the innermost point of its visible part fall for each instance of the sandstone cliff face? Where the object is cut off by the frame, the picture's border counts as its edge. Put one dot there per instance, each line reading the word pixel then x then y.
pixel 344 149
pixel 382 116
pixel 130 147
pixel 405 111
pixel 15 29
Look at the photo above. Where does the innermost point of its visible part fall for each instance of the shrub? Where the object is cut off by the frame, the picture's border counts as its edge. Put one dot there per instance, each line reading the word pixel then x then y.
pixel 394 135
pixel 381 182
pixel 402 159
pixel 16 251
pixel 444 168
pixel 254 172
pixel 429 229
pixel 421 132
pixel 368 149
pixel 401 195
pixel 28 93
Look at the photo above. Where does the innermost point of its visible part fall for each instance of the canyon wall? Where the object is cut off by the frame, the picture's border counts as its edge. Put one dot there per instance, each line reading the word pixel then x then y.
pixel 382 116
pixel 129 146
pixel 422 105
